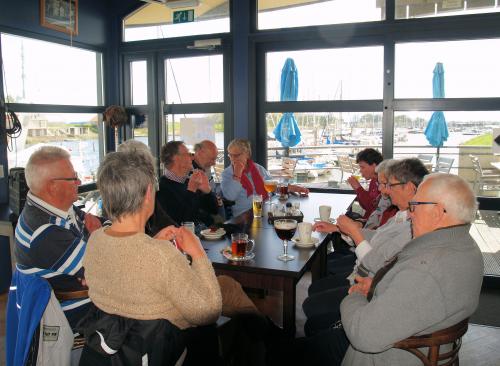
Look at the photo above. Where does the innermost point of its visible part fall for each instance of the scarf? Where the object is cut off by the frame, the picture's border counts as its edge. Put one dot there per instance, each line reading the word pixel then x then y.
pixel 256 178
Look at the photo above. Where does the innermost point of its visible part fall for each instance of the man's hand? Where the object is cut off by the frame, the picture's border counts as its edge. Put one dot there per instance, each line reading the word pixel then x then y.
pixel 362 285
pixel 92 223
pixel 204 185
pixel 198 181
pixel 353 182
pixel 325 227
pixel 298 189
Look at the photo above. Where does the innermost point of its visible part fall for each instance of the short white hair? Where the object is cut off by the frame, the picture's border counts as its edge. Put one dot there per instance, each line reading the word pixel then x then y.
pixel 454 193
pixel 40 166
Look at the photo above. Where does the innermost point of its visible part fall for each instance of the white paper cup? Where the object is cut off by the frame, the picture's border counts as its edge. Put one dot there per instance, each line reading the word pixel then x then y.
pixel 324 212
pixel 305 231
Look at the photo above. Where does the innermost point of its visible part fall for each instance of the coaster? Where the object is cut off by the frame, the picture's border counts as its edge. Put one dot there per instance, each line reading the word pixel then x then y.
pixel 229 256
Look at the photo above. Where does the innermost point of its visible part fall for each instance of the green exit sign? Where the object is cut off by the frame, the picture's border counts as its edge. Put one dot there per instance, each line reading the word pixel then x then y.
pixel 184 16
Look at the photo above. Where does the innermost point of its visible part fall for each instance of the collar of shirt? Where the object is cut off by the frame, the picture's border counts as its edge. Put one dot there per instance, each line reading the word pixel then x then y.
pixel 401 216
pixel 70 214
pixel 168 174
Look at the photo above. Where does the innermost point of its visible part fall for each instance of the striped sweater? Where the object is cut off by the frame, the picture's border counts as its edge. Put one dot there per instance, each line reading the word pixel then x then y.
pixel 51 244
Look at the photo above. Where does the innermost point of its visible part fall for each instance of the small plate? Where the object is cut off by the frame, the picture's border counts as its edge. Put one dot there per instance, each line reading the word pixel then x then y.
pixel 213 235
pixel 300 244
pixel 330 220
pixel 229 256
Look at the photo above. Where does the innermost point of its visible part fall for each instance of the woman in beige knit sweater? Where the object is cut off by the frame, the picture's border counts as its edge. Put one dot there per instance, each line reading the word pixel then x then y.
pixel 136 276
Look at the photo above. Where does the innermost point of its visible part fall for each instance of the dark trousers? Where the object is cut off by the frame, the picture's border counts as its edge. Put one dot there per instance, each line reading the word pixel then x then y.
pixel 325 348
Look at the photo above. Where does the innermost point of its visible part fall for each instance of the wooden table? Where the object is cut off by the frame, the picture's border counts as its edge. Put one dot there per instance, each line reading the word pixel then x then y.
pixel 265 271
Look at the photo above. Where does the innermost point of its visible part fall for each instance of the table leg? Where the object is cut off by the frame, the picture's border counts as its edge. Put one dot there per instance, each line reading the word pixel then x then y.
pixel 319 265
pixel 289 307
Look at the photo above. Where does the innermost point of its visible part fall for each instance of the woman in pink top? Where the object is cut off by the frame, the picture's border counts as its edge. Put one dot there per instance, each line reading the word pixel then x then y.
pixel 367 159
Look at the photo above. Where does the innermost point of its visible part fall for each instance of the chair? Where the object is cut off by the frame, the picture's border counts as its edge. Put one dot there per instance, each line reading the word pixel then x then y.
pixel 452 336
pixel 444 165
pixel 346 166
pixel 287 168
pixel 426 159
pixel 485 179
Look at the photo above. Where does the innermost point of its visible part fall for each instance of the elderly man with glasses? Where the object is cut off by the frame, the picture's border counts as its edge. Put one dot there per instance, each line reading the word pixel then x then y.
pixel 433 283
pixel 51 233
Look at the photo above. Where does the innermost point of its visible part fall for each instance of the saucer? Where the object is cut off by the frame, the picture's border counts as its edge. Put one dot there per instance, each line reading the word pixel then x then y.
pixel 330 220
pixel 229 256
pixel 300 244
pixel 213 235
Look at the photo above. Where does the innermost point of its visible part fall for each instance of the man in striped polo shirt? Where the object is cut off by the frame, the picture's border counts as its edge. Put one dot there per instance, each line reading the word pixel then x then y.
pixel 51 233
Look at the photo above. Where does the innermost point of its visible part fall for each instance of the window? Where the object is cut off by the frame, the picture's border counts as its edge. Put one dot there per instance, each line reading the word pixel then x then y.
pixel 422 9
pixel 156 21
pixel 76 133
pixel 325 137
pixel 470 68
pixel 47 73
pixel 301 13
pixel 194 79
pixel 139 85
pixel 329 74
pixel 470 133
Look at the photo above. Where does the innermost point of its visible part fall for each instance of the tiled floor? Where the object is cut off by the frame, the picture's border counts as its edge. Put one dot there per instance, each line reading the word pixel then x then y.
pixel 480 345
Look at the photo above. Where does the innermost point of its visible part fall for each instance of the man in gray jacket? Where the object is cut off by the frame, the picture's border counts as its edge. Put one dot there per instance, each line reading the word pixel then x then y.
pixel 432 284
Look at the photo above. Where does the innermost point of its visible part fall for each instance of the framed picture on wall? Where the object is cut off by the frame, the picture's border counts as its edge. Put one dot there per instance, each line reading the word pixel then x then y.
pixel 60 15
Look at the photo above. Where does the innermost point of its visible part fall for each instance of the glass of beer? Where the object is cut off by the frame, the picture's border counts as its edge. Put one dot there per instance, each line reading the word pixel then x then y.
pixel 270 187
pixel 283 191
pixel 285 229
pixel 257 205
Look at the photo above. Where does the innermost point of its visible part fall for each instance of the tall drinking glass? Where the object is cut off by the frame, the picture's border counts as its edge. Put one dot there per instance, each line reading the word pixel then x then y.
pixel 285 229
pixel 270 187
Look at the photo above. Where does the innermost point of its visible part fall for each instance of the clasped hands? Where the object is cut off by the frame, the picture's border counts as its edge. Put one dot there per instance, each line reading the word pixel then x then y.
pixel 185 240
pixel 198 181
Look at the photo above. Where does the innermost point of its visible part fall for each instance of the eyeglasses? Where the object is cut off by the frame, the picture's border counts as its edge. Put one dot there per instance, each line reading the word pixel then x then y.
pixel 390 185
pixel 412 204
pixel 382 185
pixel 234 156
pixel 72 179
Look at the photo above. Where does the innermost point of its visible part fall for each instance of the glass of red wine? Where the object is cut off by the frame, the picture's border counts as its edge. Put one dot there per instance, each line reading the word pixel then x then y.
pixel 285 229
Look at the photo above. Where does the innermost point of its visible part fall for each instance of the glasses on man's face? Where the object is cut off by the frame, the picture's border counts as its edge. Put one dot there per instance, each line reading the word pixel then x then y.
pixel 234 156
pixel 390 185
pixel 69 179
pixel 413 204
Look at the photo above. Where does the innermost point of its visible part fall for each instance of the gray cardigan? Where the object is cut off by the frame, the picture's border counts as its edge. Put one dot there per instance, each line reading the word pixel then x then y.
pixel 434 284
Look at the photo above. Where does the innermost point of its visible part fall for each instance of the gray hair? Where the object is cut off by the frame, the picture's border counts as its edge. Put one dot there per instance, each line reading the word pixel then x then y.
pixel 123 179
pixel 407 170
pixel 384 165
pixel 168 151
pixel 138 147
pixel 38 169
pixel 454 193
pixel 242 144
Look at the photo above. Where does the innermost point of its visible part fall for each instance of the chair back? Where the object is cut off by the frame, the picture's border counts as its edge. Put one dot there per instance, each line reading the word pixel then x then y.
pixel 345 164
pixel 444 165
pixel 432 342
pixel 288 166
pixel 425 158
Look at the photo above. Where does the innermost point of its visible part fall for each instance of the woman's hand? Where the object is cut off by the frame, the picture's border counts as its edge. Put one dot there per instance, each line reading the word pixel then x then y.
pixel 189 243
pixel 238 168
pixel 167 233
pixel 353 182
pixel 351 228
pixel 325 227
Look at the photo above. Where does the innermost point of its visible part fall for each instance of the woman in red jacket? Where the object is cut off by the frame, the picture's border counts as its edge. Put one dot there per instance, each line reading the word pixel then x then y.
pixel 367 159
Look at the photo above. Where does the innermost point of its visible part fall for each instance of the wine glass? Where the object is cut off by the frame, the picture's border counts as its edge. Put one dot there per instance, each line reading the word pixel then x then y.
pixel 285 229
pixel 270 187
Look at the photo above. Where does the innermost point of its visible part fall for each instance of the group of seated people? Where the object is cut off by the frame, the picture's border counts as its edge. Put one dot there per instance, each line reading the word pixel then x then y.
pixel 414 229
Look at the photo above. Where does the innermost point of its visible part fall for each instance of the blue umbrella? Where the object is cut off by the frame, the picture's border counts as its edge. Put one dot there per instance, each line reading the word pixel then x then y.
pixel 287 131
pixel 437 130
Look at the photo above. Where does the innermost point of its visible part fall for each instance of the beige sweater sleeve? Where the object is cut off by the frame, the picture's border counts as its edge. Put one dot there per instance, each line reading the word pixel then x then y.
pixel 194 290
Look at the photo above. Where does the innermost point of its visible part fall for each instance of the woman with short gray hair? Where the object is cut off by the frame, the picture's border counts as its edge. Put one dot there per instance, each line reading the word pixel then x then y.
pixel 134 275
